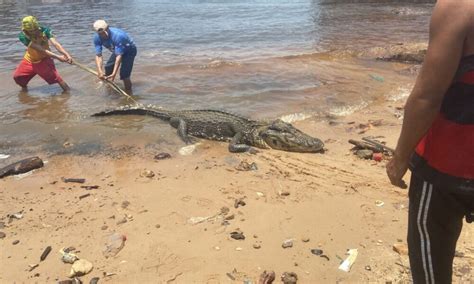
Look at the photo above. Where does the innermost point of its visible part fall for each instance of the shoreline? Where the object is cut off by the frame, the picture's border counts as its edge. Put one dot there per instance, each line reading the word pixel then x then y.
pixel 327 201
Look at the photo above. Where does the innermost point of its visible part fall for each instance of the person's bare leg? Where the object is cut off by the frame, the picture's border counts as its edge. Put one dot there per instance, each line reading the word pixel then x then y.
pixel 64 86
pixel 127 84
pixel 24 89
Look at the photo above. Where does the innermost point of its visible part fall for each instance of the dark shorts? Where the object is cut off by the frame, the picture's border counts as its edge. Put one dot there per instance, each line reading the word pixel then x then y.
pixel 45 69
pixel 435 220
pixel 125 67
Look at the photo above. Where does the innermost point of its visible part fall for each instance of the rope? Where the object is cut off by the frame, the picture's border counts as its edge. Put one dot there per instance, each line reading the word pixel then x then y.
pixel 111 84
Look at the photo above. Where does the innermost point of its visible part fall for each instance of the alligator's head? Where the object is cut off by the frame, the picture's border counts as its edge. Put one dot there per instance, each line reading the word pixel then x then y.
pixel 283 136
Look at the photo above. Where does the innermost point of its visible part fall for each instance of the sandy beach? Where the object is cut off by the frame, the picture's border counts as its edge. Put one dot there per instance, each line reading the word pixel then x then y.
pixel 177 214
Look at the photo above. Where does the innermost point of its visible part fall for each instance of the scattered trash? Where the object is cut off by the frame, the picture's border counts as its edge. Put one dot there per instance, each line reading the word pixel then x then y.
pixel 284 193
pixel 256 246
pixel 21 167
pixel 287 243
pixel 349 261
pixel 75 180
pixel 17 216
pixel 364 154
pixel 267 277
pixel 162 156
pixel 45 253
pixel 377 78
pixel 289 278
pixel 31 267
pixel 246 166
pixel 230 276
pixel 89 187
pixel 378 157
pixel 3 156
pixel 368 268
pixel 80 267
pixel 319 252
pixel 187 150
pixel 379 203
pixel 305 239
pixel 67 256
pixel 94 280
pixel 15 242
pixel 84 195
pixel 237 235
pixel 147 173
pixel 239 202
pixel 260 194
pixel 197 220
pixel 113 245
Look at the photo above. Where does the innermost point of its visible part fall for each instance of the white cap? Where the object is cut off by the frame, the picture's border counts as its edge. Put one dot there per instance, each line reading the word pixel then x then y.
pixel 100 25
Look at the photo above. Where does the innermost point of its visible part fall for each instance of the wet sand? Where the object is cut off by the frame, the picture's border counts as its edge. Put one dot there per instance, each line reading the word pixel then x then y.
pixel 327 201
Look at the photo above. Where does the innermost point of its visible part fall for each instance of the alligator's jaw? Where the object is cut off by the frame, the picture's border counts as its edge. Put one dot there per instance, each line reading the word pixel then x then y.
pixel 283 136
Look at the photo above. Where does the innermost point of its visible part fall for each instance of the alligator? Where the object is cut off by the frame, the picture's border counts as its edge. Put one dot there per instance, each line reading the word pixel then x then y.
pixel 243 133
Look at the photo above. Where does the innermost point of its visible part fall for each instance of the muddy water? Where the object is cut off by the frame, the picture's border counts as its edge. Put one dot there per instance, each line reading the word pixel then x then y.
pixel 261 59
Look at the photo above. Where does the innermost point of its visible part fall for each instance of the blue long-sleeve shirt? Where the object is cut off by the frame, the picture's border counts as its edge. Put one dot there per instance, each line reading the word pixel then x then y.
pixel 117 42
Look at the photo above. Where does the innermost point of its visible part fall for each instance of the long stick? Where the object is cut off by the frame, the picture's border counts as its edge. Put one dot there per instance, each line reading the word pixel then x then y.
pixel 112 84
pixel 386 148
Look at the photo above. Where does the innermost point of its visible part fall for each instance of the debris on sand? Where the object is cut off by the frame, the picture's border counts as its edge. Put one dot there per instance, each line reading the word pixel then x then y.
pixel 113 245
pixel 349 261
pixel 80 267
pixel 21 167
pixel 289 278
pixel 266 277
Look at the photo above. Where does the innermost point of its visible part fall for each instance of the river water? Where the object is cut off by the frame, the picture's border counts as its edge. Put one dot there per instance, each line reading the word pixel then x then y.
pixel 261 59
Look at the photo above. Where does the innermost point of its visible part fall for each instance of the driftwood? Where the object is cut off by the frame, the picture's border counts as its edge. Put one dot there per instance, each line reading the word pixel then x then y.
pixel 380 145
pixel 364 145
pixel 371 145
pixel 21 167
pixel 76 180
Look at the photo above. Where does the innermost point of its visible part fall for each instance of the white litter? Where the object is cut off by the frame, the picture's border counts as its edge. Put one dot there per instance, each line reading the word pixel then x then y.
pixel 3 156
pixel 188 150
pixel 349 261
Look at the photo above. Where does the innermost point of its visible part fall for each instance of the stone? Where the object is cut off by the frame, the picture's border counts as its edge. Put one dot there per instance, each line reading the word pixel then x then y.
pixel 287 243
pixel 401 248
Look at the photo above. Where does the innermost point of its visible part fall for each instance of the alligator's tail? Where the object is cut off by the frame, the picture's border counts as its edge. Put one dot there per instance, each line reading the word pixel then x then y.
pixel 134 111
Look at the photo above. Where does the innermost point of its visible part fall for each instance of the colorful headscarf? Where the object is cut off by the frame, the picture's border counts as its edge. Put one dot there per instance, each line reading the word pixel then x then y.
pixel 29 23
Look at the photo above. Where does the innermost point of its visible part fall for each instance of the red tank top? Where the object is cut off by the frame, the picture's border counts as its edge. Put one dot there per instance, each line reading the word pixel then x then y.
pixel 446 152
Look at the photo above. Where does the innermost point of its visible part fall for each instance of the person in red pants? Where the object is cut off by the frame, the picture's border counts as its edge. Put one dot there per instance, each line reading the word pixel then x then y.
pixel 38 59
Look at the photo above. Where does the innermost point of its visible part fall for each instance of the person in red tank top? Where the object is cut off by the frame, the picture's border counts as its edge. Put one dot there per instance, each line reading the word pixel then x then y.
pixel 437 144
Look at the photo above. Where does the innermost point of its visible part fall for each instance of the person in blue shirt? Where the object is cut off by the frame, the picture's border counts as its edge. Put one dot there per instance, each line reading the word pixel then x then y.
pixel 123 53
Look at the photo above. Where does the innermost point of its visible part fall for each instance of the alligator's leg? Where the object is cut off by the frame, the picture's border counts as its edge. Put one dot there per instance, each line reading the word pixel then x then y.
pixel 182 128
pixel 236 147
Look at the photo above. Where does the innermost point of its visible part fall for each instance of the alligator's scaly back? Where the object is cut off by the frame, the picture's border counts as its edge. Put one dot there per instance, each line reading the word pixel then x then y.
pixel 223 126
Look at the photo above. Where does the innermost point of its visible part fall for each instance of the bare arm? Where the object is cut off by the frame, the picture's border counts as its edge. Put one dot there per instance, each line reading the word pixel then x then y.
pixel 60 48
pixel 98 63
pixel 47 52
pixel 448 30
pixel 118 60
